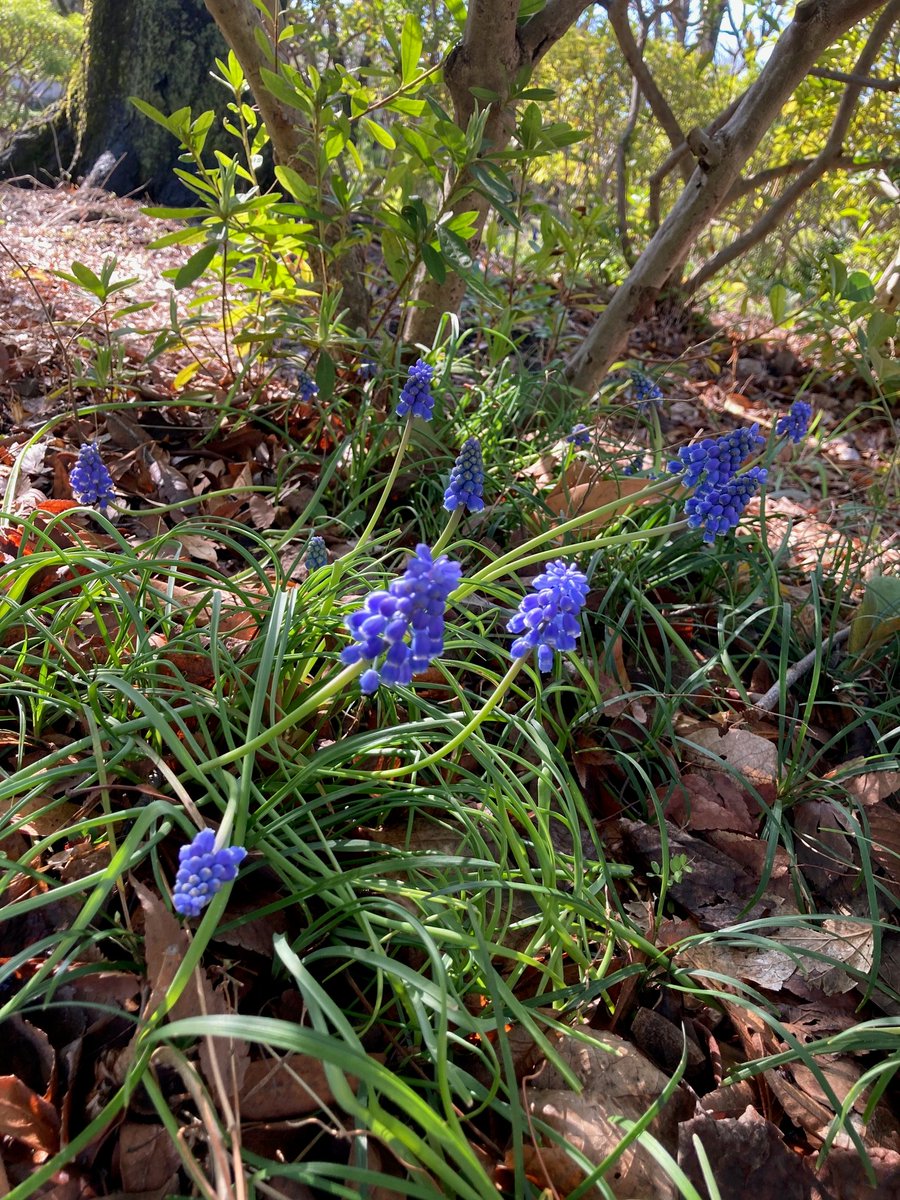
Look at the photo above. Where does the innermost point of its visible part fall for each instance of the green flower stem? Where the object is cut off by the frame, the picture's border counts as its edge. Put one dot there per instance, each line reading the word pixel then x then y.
pixel 331 688
pixel 388 487
pixel 449 530
pixel 458 738
pixel 512 558
pixel 600 543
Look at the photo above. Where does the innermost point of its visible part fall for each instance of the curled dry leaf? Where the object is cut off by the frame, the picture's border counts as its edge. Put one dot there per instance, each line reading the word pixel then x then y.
pixel 147 1158
pixel 26 1117
pixel 618 1082
pixel 712 800
pixel 748 1158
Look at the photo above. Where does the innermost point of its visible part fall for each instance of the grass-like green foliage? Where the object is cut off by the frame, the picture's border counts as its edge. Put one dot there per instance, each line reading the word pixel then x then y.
pixel 146 688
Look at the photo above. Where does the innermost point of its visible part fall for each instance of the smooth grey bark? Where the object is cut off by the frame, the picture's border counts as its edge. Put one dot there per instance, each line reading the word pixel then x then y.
pixel 491 53
pixel 830 154
pixel 721 157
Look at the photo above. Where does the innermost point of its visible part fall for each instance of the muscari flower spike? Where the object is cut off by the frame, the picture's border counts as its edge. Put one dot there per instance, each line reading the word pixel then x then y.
pixel 89 479
pixel 580 436
pixel 547 619
pixel 646 391
pixel 413 607
pixel 716 460
pixel 202 871
pixel 416 397
pixel 795 422
pixel 717 508
pixel 307 388
pixel 636 465
pixel 466 486
pixel 316 554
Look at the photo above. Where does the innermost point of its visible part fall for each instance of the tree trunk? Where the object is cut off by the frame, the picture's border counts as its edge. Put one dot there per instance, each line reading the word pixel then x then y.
pixel 816 24
pixel 159 50
pixel 493 50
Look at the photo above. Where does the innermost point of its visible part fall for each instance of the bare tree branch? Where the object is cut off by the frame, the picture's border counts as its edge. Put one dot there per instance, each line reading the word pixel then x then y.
pixel 866 81
pixel 676 155
pixel 825 160
pixel 659 106
pixel 844 162
pixel 545 28
pixel 622 146
pixel 815 26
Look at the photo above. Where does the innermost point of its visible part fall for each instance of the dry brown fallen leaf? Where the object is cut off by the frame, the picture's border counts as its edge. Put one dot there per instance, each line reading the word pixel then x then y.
pixel 27 1117
pixel 147 1158
pixel 572 499
pixel 747 753
pixel 748 1158
pixel 618 1082
pixel 704 800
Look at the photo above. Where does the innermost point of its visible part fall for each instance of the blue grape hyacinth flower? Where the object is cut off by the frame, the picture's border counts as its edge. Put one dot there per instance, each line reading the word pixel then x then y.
pixel 716 460
pixel 89 479
pixel 466 486
pixel 795 422
pixel 646 391
pixel 307 388
pixel 316 554
pixel 412 608
pixel 579 436
pixel 635 466
pixel 202 871
pixel 416 397
pixel 547 618
pixel 717 508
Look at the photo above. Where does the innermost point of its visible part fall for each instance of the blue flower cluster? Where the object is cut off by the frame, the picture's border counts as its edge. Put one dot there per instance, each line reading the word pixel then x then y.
pixel 412 606
pixel 416 397
pixel 636 465
pixel 715 460
pixel 717 509
pixel 316 554
pixel 580 436
pixel 466 486
pixel 203 871
pixel 367 368
pixel 646 391
pixel 307 388
pixel 89 479
pixel 547 619
pixel 796 422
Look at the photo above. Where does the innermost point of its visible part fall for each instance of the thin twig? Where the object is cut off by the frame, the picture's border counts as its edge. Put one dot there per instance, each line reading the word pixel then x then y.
pixel 769 699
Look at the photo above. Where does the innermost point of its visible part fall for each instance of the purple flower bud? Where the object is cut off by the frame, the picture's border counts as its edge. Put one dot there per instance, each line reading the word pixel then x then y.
pixel 580 436
pixel 715 460
pixel 89 479
pixel 203 871
pixel 646 391
pixel 717 508
pixel 316 554
pixel 403 628
pixel 307 388
pixel 416 397
pixel 548 617
pixel 795 422
pixel 466 487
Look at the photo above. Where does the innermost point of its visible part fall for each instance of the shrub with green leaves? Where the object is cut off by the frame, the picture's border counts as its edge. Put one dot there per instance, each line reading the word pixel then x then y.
pixel 37 50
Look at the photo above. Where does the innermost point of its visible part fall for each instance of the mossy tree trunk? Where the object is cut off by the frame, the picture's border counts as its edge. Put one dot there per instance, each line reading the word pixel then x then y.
pixel 159 50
